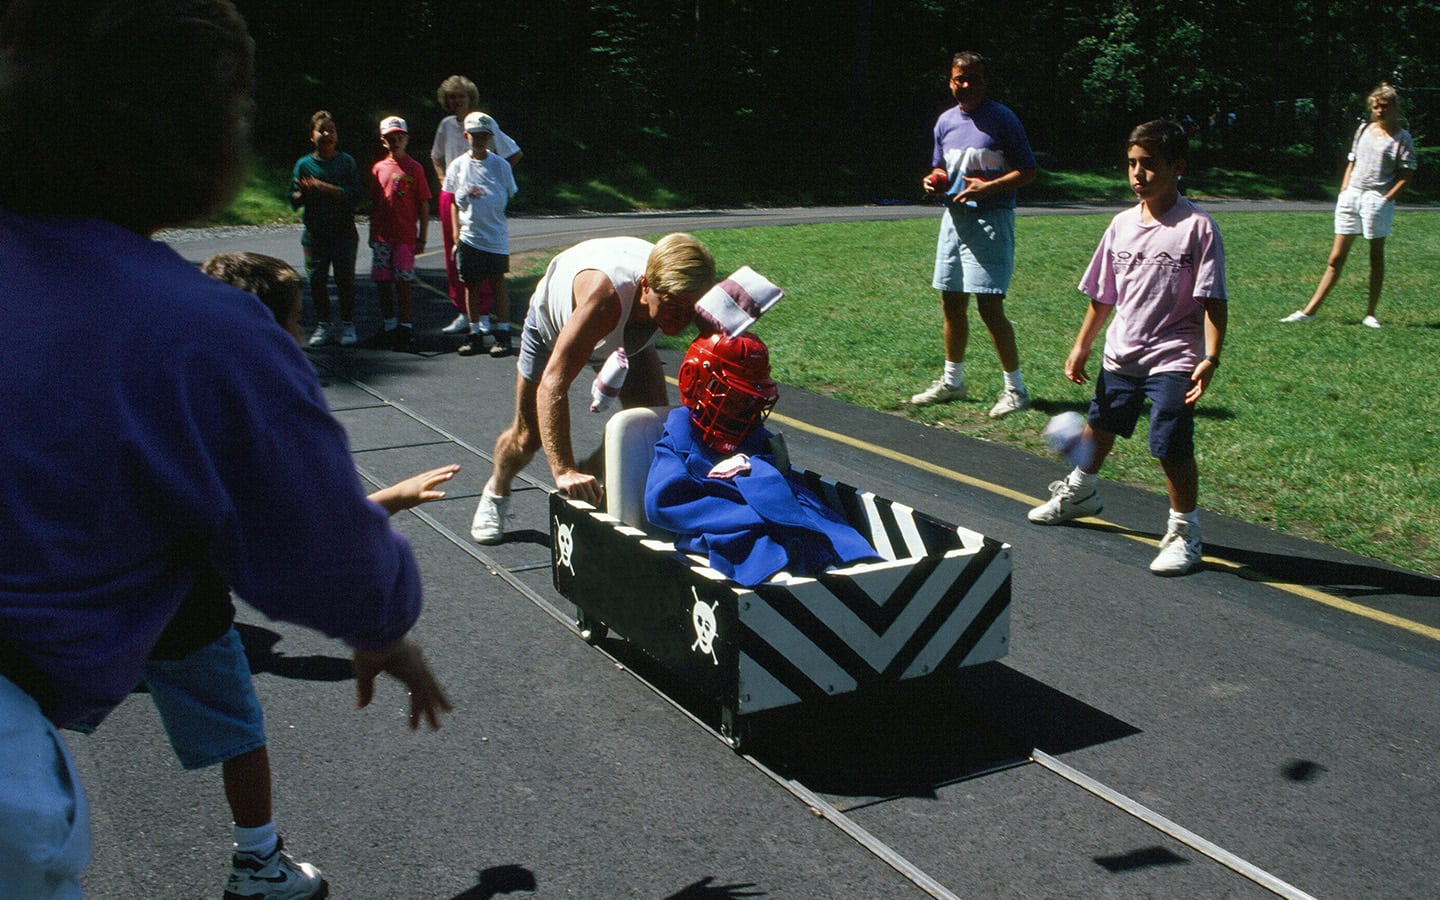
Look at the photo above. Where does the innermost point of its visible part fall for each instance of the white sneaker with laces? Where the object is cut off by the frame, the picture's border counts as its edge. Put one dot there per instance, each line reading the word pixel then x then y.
pixel 1370 322
pixel 1180 550
pixel 323 334
pixel 461 325
pixel 488 526
pixel 274 877
pixel 1298 316
pixel 1067 501
pixel 347 335
pixel 939 392
pixel 1011 400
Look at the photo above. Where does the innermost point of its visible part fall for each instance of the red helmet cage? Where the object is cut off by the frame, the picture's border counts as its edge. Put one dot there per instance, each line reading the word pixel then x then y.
pixel 725 382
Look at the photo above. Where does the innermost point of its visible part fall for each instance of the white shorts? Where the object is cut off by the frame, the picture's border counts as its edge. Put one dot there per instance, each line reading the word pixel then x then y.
pixel 1365 213
pixel 975 252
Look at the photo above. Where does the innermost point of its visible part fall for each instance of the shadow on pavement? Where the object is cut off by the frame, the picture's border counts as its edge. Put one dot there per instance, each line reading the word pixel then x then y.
pixel 908 739
pixel 260 651
pixel 498 880
pixel 1348 579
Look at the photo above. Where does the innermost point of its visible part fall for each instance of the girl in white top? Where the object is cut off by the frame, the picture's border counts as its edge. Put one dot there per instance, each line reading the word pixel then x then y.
pixel 1382 164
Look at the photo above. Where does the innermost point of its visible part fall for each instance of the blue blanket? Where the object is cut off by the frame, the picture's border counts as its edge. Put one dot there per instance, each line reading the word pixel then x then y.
pixel 749 526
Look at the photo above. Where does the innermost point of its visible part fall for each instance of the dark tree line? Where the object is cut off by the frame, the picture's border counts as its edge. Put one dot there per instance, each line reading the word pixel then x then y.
pixel 803 99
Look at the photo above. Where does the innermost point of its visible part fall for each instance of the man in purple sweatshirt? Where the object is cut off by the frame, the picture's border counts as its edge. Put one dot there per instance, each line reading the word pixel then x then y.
pixel 189 434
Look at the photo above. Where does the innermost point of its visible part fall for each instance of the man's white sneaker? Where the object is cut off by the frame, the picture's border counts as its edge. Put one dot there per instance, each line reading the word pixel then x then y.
pixel 939 392
pixel 274 877
pixel 1067 501
pixel 1370 322
pixel 1011 400
pixel 1298 316
pixel 488 526
pixel 461 325
pixel 1179 550
pixel 323 334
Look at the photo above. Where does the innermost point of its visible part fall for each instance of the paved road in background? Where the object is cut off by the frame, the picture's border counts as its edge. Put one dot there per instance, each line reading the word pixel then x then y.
pixel 1237 718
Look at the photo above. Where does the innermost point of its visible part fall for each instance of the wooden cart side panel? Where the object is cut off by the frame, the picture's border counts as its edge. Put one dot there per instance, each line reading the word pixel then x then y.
pixel 841 633
pixel 681 614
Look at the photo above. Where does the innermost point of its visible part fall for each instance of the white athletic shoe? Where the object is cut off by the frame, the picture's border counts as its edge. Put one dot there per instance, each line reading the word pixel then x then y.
pixel 1298 316
pixel 461 325
pixel 1370 322
pixel 1179 550
pixel 1067 501
pixel 488 526
pixel 1011 400
pixel 324 334
pixel 273 877
pixel 939 392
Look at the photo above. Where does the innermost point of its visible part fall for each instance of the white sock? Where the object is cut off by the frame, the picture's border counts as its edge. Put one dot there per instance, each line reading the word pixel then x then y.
pixel 260 840
pixel 1190 518
pixel 1013 382
pixel 503 328
pixel 484 323
pixel 1081 478
pixel 390 324
pixel 954 374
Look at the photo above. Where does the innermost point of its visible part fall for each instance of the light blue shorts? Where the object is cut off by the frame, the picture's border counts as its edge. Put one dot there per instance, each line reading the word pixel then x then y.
pixel 207 702
pixel 44 817
pixel 1365 213
pixel 975 253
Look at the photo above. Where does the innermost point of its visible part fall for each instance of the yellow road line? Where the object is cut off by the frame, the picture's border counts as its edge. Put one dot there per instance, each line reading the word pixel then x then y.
pixel 1298 590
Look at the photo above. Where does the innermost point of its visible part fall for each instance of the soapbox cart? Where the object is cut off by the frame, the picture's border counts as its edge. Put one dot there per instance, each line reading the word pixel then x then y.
pixel 939 600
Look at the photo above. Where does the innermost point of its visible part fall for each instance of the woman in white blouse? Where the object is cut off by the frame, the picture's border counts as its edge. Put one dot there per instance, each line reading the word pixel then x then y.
pixel 459 96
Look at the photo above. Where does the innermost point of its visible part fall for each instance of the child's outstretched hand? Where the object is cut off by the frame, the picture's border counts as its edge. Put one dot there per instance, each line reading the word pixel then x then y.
pixel 404 661
pixel 415 490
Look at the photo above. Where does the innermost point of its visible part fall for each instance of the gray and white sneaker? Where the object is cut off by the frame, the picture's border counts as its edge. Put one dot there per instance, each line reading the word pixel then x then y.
pixel 324 333
pixel 273 877
pixel 1011 400
pixel 461 325
pixel 1298 316
pixel 1067 501
pixel 939 392
pixel 1180 550
pixel 488 526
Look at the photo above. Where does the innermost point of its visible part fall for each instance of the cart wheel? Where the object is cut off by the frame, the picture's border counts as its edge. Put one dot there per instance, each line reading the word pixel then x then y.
pixel 592 630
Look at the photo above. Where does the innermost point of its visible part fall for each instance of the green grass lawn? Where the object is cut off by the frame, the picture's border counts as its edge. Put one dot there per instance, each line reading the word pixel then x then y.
pixel 1327 430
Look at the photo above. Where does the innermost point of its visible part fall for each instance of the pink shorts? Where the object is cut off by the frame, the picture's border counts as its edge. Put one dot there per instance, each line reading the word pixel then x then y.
pixel 392 262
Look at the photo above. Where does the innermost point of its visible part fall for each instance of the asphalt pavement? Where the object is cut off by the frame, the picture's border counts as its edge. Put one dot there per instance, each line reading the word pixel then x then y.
pixel 1265 725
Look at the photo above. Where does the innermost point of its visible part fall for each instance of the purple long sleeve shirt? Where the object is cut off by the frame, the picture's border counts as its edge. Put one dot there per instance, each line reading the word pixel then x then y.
pixel 153 420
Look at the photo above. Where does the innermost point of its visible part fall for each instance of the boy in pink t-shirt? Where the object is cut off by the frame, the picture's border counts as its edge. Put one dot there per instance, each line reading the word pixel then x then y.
pixel 1161 268
pixel 400 203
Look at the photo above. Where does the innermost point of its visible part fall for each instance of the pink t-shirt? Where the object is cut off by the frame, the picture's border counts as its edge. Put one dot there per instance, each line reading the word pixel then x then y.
pixel 1157 275
pixel 395 195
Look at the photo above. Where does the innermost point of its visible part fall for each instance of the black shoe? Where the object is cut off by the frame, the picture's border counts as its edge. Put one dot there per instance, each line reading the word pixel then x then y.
pixel 400 339
pixel 380 340
pixel 474 344
pixel 502 344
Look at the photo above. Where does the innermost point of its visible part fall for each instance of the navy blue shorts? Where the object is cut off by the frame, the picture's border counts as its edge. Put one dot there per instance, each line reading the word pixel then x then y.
pixel 1119 400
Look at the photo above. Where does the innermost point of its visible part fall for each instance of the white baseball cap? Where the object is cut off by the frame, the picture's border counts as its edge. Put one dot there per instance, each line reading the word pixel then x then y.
pixel 392 123
pixel 477 122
